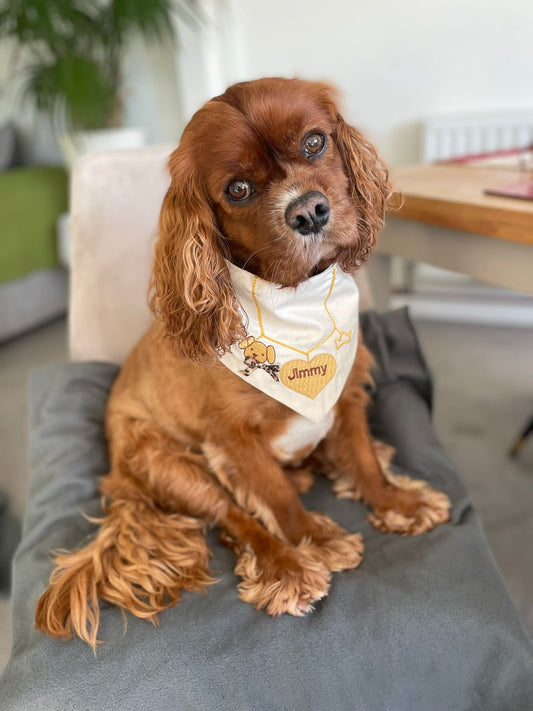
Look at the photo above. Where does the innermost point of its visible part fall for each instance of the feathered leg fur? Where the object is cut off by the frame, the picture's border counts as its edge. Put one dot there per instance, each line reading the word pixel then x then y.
pixel 360 467
pixel 150 544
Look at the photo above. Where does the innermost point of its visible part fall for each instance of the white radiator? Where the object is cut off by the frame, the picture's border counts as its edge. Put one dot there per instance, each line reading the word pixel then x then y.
pixel 455 136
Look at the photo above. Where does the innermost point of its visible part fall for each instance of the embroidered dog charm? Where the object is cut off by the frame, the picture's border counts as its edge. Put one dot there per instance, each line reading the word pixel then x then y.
pixel 259 355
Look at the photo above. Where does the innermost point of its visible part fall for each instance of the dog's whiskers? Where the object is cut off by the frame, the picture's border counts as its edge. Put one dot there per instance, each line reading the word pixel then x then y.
pixel 254 254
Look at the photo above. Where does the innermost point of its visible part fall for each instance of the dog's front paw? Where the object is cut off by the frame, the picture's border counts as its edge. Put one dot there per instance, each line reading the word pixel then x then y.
pixel 416 508
pixel 289 581
pixel 335 547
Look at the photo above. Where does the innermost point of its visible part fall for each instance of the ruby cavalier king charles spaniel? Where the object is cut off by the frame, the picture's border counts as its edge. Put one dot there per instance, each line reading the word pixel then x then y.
pixel 252 375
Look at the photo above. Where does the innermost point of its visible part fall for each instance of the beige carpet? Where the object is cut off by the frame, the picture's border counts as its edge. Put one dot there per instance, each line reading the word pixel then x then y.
pixel 483 396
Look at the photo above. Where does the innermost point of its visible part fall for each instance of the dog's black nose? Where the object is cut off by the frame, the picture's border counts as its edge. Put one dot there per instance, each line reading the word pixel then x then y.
pixel 308 213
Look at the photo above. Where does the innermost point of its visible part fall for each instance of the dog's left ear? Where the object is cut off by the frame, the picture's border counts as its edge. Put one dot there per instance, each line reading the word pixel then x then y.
pixel 368 178
pixel 190 288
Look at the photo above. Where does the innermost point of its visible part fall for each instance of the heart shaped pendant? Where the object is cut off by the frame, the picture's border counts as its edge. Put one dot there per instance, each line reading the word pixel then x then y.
pixel 309 377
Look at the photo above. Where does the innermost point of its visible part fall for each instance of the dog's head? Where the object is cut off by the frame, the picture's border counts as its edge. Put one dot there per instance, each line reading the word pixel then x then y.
pixel 269 176
pixel 257 350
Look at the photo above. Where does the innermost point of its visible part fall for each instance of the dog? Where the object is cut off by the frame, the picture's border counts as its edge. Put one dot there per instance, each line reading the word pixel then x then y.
pixel 270 188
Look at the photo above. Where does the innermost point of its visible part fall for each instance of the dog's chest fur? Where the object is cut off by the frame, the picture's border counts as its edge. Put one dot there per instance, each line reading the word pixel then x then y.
pixel 300 438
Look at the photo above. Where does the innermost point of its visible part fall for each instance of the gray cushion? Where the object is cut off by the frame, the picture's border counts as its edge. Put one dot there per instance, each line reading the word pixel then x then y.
pixel 424 624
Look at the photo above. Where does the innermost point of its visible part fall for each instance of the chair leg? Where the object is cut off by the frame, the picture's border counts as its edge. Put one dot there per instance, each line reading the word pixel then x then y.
pixel 521 440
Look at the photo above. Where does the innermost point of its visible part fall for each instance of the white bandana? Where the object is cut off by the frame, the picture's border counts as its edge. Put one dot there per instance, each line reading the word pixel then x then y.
pixel 301 342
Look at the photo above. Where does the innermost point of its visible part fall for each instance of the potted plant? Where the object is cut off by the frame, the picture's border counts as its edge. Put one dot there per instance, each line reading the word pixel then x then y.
pixel 72 52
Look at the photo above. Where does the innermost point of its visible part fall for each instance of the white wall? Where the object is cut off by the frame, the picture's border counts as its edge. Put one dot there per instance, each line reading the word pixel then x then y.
pixel 397 61
pixel 152 91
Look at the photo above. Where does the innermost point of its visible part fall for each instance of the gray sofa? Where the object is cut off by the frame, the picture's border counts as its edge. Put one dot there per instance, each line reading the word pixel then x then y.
pixel 33 284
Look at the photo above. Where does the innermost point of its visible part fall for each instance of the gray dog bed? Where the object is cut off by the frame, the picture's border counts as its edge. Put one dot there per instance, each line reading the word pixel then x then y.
pixel 423 624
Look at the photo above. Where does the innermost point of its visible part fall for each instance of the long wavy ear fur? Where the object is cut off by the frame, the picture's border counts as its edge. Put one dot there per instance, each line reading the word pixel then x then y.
pixel 190 288
pixel 368 177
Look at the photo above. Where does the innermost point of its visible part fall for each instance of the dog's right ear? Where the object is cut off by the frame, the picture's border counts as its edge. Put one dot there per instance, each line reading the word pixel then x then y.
pixel 190 288
pixel 368 178
pixel 247 342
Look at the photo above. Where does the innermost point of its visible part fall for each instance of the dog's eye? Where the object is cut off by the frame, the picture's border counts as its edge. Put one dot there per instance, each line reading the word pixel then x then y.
pixel 239 190
pixel 313 144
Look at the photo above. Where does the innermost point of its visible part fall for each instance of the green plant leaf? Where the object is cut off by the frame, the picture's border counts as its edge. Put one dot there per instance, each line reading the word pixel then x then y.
pixel 152 18
pixel 51 25
pixel 73 87
pixel 76 48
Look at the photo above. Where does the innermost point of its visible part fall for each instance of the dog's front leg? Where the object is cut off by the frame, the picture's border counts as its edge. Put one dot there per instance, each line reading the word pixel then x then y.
pixel 360 467
pixel 246 468
pixel 276 576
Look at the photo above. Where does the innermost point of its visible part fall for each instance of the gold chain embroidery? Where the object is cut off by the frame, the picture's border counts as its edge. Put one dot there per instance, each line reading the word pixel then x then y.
pixel 344 336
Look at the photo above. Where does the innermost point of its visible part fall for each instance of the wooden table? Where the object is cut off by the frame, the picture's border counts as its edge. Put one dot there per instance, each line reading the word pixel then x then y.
pixel 446 220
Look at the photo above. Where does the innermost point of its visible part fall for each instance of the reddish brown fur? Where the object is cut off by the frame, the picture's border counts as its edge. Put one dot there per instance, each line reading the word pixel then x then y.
pixel 190 442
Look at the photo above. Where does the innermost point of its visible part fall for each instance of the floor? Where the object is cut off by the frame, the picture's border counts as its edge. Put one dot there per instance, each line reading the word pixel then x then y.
pixel 483 396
